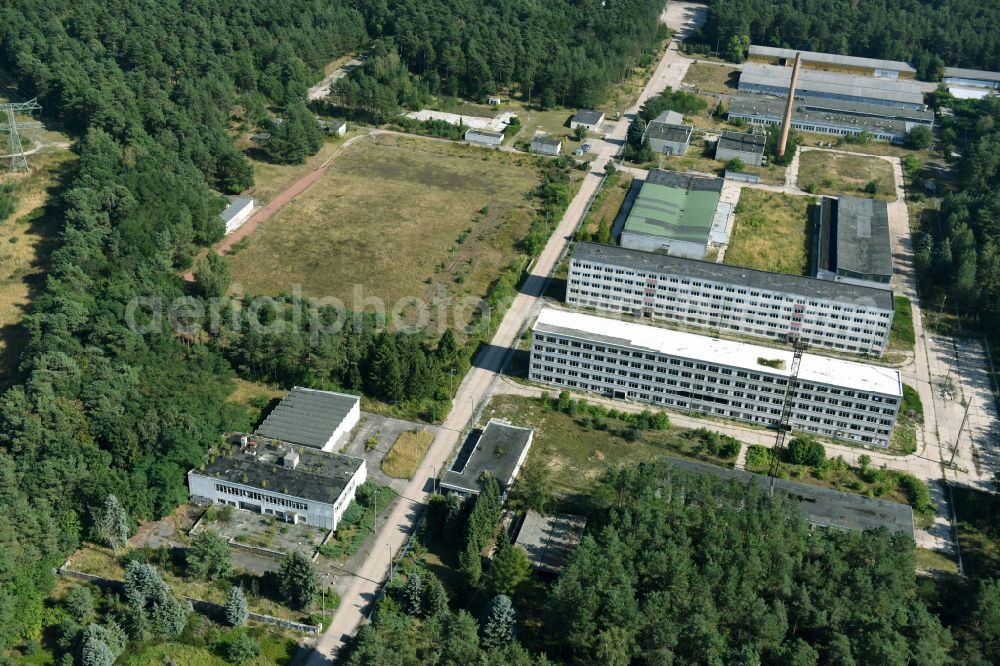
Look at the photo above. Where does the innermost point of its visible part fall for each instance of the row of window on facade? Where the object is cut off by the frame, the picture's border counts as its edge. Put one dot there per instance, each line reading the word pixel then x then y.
pixel 876 400
pixel 261 497
pixel 738 412
pixel 600 283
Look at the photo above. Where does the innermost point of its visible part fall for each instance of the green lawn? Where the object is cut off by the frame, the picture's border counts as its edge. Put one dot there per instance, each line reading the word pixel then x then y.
pixel 608 203
pixel 901 335
pixel 577 451
pixel 772 232
pixel 276 650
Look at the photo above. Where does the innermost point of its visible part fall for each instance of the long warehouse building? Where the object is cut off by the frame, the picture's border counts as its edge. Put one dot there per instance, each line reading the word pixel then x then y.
pixel 831 116
pixel 774 80
pixel 839 316
pixel 834 398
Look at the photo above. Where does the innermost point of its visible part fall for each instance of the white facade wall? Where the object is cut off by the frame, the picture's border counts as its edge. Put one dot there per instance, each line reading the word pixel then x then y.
pixel 856 328
pixel 647 243
pixel 520 461
pixel 576 362
pixel 268 502
pixel 240 218
pixel 472 136
pixel 339 435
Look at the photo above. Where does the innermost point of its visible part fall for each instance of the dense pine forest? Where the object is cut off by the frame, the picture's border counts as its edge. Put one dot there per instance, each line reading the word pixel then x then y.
pixel 961 33
pixel 150 89
pixel 958 251
pixel 686 569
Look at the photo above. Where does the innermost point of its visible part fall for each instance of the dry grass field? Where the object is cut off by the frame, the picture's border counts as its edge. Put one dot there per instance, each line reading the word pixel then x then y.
pixel 771 232
pixel 713 78
pixel 27 237
pixel 270 179
pixel 396 218
pixel 577 455
pixel 822 172
pixel 607 205
pixel 405 455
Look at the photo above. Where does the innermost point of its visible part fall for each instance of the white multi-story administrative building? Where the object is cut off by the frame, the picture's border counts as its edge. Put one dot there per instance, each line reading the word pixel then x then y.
pixel 834 315
pixel 297 484
pixel 834 398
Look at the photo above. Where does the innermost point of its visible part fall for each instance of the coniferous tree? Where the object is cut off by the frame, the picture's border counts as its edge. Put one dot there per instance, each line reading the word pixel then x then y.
pixel 510 568
pixel 95 652
pixel 111 524
pixel 237 609
pixel 470 564
pixel 498 629
pixel 413 595
pixel 435 599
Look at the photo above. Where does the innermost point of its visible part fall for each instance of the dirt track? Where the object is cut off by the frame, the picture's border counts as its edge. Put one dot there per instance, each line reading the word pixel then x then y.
pixel 278 202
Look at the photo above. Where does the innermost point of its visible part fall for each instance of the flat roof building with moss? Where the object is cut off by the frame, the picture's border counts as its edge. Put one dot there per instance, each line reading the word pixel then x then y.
pixel 673 213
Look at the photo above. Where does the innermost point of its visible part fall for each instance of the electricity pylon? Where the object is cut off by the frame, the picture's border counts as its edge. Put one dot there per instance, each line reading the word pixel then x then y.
pixel 18 161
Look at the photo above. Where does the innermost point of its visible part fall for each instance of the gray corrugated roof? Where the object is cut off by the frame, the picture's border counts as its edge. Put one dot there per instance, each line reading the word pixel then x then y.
pixel 496 452
pixel 684 181
pixel 822 506
pixel 669 117
pixel 862 227
pixel 319 476
pixel 796 285
pixel 588 116
pixel 962 73
pixel 236 204
pixel 307 416
pixel 831 58
pixel 902 91
pixel 747 143
pixel 668 132
pixel 764 106
pixel 550 540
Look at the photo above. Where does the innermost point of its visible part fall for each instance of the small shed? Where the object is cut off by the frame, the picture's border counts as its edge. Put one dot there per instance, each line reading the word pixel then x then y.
pixel 260 137
pixel 588 118
pixel 546 144
pixel 494 101
pixel 550 540
pixel 236 213
pixel 484 137
pixel 668 138
pixel 337 128
pixel 748 148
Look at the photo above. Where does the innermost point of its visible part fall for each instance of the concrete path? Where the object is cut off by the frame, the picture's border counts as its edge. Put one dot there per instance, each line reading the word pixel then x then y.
pixel 322 89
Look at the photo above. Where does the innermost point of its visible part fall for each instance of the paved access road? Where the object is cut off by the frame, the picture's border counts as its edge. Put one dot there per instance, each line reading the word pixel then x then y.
pixel 478 382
